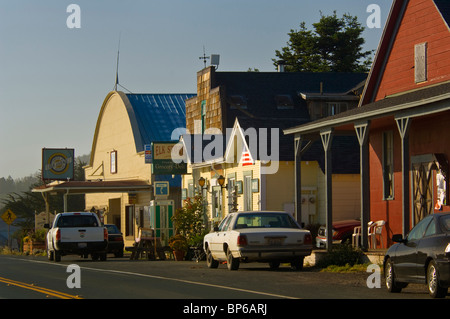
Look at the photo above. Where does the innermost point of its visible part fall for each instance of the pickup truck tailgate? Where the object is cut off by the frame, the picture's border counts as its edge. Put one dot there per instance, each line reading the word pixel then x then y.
pixel 82 234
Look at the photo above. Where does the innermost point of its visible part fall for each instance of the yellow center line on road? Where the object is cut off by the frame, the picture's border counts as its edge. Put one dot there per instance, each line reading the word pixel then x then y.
pixel 46 291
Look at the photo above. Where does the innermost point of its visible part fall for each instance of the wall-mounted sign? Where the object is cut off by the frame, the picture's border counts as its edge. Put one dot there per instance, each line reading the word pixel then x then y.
pixel 161 189
pixel 168 158
pixel 148 153
pixel 57 164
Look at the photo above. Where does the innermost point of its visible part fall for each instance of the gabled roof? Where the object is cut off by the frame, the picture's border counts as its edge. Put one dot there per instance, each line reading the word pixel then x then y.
pixel 386 43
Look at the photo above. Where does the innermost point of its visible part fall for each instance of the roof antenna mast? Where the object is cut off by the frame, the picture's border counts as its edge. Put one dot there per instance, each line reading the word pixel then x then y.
pixel 117 69
pixel 117 66
pixel 204 57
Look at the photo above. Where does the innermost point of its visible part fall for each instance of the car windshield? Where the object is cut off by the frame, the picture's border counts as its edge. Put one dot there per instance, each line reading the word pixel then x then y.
pixel 265 220
pixel 445 222
pixel 77 221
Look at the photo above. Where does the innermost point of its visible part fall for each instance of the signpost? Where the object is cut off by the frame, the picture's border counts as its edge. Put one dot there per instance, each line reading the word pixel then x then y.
pixel 8 217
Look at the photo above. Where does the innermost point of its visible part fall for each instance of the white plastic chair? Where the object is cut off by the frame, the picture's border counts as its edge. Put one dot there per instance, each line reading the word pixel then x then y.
pixel 356 236
pixel 376 229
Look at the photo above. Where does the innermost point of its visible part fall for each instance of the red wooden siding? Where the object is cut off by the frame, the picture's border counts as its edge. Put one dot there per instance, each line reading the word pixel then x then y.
pixel 421 23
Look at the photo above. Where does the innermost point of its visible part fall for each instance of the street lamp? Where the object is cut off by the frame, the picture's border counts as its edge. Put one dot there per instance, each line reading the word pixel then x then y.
pixel 201 182
pixel 221 181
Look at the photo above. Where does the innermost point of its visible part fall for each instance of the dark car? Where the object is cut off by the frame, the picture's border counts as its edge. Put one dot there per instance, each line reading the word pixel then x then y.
pixel 342 232
pixel 422 257
pixel 115 240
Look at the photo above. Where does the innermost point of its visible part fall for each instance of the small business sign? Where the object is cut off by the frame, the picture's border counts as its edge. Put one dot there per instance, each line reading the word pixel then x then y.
pixel 148 153
pixel 168 158
pixel 161 189
pixel 57 163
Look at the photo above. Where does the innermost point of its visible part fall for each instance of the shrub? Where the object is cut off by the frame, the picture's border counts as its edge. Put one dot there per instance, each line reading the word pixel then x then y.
pixel 341 255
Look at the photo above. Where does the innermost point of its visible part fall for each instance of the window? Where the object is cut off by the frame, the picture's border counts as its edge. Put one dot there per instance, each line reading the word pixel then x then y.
pixel 420 62
pixel 284 102
pixel 388 165
pixel 336 108
pixel 238 101
pixel 77 221
pixel 216 202
pixel 248 195
pixel 419 230
pixel 203 112
pixel 129 220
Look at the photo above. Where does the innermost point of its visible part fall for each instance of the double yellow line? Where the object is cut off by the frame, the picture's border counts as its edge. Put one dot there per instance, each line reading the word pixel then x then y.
pixel 46 291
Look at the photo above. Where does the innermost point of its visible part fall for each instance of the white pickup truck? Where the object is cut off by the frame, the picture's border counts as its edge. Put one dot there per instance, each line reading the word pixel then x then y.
pixel 76 233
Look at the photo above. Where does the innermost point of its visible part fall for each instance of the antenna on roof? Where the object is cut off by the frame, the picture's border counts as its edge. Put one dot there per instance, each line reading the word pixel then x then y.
pixel 117 66
pixel 204 57
pixel 117 69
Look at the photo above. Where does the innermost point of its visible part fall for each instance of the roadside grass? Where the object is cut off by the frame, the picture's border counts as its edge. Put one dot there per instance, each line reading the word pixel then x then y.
pixel 6 251
pixel 343 259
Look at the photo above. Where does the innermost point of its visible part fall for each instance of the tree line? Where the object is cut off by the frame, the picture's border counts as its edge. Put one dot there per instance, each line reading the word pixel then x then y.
pixel 17 196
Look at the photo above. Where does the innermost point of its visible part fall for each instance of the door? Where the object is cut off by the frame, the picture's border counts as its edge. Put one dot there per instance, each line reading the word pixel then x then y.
pixel 422 176
pixel 407 263
pixel 218 238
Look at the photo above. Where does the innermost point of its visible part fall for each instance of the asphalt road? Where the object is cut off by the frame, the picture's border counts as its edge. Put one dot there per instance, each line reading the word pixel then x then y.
pixel 29 277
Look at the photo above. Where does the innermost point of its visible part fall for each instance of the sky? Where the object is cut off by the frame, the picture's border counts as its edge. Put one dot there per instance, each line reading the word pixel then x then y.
pixel 53 79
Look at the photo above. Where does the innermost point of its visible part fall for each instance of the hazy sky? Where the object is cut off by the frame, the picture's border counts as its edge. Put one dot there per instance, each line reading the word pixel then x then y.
pixel 53 79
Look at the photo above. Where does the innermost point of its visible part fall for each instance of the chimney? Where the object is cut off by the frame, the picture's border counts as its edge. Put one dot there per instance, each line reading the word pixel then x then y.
pixel 281 64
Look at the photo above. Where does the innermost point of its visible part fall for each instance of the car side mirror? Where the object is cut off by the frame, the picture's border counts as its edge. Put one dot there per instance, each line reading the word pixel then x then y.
pixel 47 226
pixel 398 238
pixel 216 228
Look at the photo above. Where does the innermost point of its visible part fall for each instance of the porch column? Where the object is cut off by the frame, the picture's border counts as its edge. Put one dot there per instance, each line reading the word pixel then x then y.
pixel 298 177
pixel 299 149
pixel 403 125
pixel 362 132
pixel 327 136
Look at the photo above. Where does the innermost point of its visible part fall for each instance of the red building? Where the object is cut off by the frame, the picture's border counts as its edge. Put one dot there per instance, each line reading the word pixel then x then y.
pixel 402 122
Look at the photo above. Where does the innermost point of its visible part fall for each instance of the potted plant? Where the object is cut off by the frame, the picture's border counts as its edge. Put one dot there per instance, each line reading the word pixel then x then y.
pixel 179 246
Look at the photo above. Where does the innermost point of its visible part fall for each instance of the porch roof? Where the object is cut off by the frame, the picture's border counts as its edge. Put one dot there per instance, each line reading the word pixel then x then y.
pixel 85 187
pixel 428 100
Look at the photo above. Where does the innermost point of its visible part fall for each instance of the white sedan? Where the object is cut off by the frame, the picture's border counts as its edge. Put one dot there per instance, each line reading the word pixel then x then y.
pixel 257 236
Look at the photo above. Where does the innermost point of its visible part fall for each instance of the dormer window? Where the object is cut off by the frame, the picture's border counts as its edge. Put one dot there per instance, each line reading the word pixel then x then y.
pixel 238 101
pixel 284 102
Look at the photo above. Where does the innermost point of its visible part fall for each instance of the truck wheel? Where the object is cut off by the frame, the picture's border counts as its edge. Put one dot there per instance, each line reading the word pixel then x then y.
pixel 50 255
pixel 94 256
pixel 102 256
pixel 57 256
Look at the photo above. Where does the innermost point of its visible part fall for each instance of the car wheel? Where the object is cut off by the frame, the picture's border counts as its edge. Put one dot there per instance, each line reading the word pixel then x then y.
pixel 232 263
pixel 391 284
pixel 434 288
pixel 297 264
pixel 210 261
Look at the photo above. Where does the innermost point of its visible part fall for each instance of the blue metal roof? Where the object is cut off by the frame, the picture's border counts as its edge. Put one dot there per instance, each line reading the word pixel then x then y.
pixel 157 115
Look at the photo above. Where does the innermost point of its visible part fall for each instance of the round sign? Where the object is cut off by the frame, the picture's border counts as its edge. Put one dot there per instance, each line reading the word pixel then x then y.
pixel 58 163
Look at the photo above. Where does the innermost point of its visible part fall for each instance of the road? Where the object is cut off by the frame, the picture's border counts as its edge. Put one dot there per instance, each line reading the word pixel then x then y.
pixel 27 277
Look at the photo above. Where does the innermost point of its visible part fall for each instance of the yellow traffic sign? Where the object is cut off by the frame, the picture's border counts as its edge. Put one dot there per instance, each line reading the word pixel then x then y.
pixel 9 216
